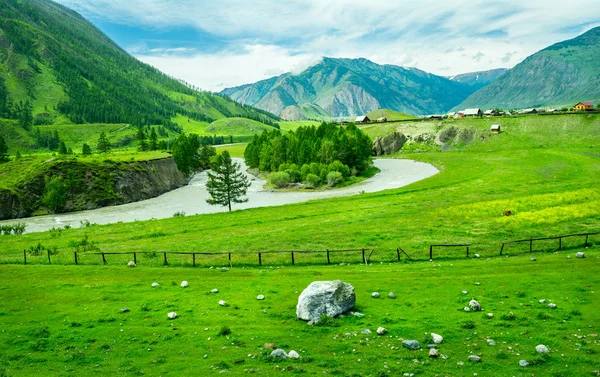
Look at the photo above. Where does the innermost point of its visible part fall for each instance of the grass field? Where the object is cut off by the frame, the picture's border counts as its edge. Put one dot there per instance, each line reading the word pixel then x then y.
pixel 66 319
pixel 389 114
pixel 58 320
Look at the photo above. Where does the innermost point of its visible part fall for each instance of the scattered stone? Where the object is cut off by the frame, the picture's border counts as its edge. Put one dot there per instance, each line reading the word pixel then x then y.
pixel 580 254
pixel 434 353
pixel 477 283
pixel 568 257
pixel 224 269
pixel 533 260
pixel 437 339
pixel 293 355
pixel 523 363
pixel 464 292
pixel 131 264
pixel 392 295
pixel 411 344
pixel 124 310
pixel 375 294
pixel 155 285
pixel 357 314
pixel 474 305
pixel 477 256
pixel 552 306
pixel 540 348
pixel 460 363
pixel 543 301
pixel 474 358
pixel 260 297
pixel 223 303
pixel 184 284
pixel 430 346
pixel 331 298
pixel 214 290
pixel 224 371
pixel 269 345
pixel 366 331
pixel 490 315
pixel 490 342
pixel 172 315
pixel 467 309
pixel 279 354
pixel 381 331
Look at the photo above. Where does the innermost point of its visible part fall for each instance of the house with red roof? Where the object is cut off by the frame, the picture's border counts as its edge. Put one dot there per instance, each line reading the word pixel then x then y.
pixel 584 106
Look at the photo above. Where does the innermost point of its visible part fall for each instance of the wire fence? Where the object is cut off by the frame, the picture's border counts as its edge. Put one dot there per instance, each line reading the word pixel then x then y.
pixel 365 255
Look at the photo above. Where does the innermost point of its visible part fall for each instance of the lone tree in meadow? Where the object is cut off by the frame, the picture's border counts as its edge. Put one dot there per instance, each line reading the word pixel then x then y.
pixel 103 143
pixel 226 183
pixel 86 150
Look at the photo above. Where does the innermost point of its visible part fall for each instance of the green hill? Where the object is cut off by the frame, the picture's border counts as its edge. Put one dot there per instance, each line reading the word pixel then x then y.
pixel 389 114
pixel 56 67
pixel 236 127
pixel 562 74
pixel 350 87
pixel 303 112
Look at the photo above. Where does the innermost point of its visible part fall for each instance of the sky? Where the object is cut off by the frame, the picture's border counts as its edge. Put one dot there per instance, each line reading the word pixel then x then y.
pixel 214 44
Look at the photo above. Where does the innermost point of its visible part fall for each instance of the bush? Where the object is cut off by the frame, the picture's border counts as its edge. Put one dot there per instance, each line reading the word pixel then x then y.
pixel 339 167
pixel 279 179
pixel 334 178
pixel 179 214
pixel 225 330
pixel 448 134
pixel 312 180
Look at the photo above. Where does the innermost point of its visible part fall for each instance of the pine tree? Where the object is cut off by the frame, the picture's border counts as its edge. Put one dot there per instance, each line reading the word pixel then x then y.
pixel 226 183
pixel 142 138
pixel 86 150
pixel 153 140
pixel 103 144
pixel 18 155
pixel 62 149
pixel 3 150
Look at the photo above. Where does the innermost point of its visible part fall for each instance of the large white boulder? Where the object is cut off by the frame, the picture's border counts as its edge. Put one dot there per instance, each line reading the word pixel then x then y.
pixel 330 298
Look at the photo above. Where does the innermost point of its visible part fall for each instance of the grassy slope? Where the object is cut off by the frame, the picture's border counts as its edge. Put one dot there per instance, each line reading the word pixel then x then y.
pixel 389 114
pixel 67 320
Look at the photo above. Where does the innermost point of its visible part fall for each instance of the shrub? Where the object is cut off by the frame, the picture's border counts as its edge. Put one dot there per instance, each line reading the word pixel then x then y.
pixel 448 134
pixel 334 178
pixel 312 180
pixel 339 167
pixel 225 330
pixel 179 214
pixel 279 179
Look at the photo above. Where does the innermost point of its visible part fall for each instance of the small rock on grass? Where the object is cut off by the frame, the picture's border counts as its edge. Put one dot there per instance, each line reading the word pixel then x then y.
pixel 131 264
pixel 580 255
pixel 223 303
pixel 279 354
pixel 154 285
pixel 474 358
pixel 381 330
pixel 437 339
pixel 184 284
pixel 260 297
pixel 490 342
pixel 540 348
pixel 214 290
pixel 434 353
pixel 477 283
pixel 467 309
pixel 392 295
pixel 542 301
pixel 366 331
pixel 490 315
pixel 172 315
pixel 375 294
pixel 533 259
pixel 124 310
pixel 357 314
pixel 474 305
pixel 552 306
pixel 293 354
pixel 523 363
pixel 464 292
pixel 411 344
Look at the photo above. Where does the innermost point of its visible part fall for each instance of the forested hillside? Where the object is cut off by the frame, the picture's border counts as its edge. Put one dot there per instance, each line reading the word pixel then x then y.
pixel 56 67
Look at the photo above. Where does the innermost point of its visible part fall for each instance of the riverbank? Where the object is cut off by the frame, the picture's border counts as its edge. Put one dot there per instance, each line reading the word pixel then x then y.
pixel 191 199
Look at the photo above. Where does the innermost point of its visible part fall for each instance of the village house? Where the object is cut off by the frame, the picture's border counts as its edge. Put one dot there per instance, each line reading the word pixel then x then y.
pixel 362 119
pixel 469 113
pixel 489 113
pixel 382 120
pixel 584 106
pixel 495 128
pixel 528 111
pixel 452 114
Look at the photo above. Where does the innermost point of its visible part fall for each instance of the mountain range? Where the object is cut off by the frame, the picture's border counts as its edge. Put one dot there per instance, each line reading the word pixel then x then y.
pixel 57 67
pixel 560 75
pixel 349 87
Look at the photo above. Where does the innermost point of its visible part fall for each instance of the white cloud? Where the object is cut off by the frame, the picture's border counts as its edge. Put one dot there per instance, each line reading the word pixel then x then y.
pixel 438 36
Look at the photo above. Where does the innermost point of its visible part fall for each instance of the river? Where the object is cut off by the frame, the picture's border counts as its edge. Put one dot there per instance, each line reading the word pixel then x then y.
pixel 191 199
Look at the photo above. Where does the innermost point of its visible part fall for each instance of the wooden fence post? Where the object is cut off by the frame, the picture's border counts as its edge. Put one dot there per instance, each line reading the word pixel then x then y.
pixel 104 258
pixel 75 255
pixel 328 260
pixel 135 258
pixel 530 245
pixel 24 256
pixel 430 252
pixel 194 259
pixel 467 251
pixel 363 256
pixel 559 243
pixel 229 258
pixel 293 261
pixel 502 248
pixel 49 261
pixel 165 256
pixel 398 253
pixel 586 239
pixel 259 259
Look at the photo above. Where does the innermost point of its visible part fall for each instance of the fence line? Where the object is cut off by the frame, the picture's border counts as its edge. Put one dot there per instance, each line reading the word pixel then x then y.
pixel 364 258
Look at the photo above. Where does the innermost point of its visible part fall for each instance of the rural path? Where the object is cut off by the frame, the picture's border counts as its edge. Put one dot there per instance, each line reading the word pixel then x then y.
pixel 191 199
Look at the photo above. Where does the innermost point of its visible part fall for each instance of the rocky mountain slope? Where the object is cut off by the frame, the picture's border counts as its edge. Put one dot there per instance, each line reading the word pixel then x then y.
pixel 349 87
pixel 478 80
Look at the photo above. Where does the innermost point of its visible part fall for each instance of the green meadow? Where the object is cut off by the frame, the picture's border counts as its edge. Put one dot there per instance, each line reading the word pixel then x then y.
pixel 64 319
